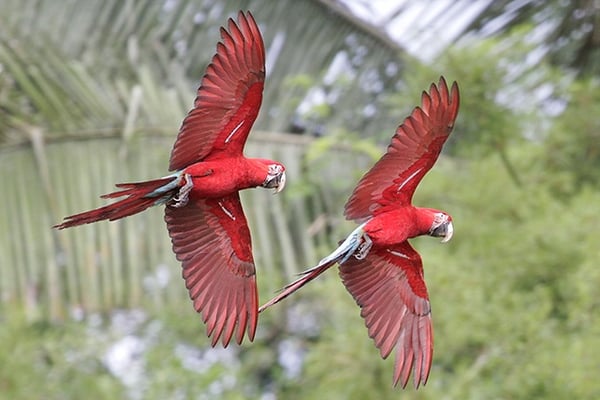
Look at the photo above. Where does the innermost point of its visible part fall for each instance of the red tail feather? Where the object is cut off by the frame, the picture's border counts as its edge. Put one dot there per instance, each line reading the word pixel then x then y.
pixel 140 196
pixel 306 277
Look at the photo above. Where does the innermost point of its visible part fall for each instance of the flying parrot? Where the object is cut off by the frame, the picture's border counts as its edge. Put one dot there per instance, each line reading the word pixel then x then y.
pixel 204 216
pixel 378 266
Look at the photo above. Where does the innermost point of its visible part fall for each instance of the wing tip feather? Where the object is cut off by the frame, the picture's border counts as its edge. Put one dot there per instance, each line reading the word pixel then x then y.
pixel 221 285
pixel 240 51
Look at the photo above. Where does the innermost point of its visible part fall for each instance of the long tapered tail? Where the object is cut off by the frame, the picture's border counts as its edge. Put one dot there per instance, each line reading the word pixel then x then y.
pixel 341 254
pixel 140 196
pixel 306 277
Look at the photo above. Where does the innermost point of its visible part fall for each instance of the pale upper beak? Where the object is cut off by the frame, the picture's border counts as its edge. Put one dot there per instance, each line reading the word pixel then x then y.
pixel 281 185
pixel 449 232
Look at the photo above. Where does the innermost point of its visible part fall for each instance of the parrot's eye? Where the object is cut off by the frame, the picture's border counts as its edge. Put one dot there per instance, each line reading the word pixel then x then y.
pixel 439 218
pixel 275 169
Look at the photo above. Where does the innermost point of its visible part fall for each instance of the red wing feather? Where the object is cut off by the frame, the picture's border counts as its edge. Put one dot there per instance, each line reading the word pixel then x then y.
pixel 412 152
pixel 211 239
pixel 228 99
pixel 388 286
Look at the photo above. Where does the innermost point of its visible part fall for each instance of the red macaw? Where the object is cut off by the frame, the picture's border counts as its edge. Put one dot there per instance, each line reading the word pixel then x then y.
pixel 203 212
pixel 378 266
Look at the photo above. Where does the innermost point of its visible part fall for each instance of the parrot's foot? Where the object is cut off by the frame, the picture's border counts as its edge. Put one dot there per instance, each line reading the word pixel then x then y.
pixel 183 196
pixel 363 248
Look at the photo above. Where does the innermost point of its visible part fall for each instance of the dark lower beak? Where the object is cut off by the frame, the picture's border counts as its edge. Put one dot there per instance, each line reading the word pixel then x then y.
pixel 445 230
pixel 277 183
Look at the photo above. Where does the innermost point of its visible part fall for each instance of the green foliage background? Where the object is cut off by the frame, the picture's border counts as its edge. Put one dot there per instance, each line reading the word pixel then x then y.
pixel 515 294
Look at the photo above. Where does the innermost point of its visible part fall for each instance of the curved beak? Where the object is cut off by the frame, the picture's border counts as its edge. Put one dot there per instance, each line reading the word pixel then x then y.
pixel 444 230
pixel 449 231
pixel 275 181
pixel 280 184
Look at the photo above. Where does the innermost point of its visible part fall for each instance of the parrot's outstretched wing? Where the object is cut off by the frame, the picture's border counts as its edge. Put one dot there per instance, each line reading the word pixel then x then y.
pixel 228 99
pixel 412 152
pixel 388 286
pixel 212 240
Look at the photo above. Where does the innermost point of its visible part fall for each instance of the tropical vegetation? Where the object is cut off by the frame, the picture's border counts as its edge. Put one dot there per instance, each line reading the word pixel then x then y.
pixel 92 93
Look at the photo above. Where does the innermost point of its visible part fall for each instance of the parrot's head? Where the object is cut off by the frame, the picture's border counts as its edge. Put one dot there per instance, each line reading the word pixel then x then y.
pixel 275 177
pixel 441 226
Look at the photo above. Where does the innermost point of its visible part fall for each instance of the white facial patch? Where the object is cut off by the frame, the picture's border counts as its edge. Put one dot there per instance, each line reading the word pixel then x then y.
pixel 274 169
pixel 438 220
